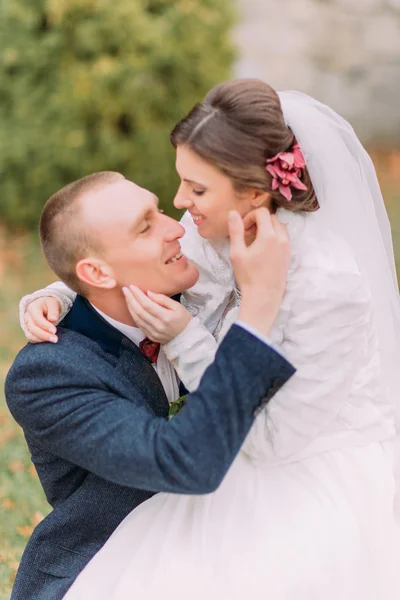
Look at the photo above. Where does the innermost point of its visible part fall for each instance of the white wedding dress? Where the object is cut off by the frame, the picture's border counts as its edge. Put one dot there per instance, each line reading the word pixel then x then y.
pixel 306 510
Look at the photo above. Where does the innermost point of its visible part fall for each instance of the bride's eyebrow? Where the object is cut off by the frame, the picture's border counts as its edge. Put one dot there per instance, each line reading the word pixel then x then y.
pixel 194 182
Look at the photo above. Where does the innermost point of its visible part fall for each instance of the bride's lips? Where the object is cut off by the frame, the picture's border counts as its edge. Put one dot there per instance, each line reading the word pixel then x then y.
pixel 198 219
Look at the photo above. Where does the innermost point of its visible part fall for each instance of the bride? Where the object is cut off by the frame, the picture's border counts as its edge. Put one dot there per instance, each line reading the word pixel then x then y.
pixel 307 509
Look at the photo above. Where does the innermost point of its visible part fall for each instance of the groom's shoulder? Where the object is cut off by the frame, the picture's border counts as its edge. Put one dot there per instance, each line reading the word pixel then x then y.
pixel 72 353
pixel 69 343
pixel 40 371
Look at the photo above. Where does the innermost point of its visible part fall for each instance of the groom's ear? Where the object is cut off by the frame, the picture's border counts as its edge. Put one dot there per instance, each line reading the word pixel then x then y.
pixel 95 273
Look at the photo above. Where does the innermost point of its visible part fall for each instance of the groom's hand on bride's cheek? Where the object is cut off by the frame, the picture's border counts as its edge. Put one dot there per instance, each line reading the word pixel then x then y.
pixel 260 268
pixel 250 226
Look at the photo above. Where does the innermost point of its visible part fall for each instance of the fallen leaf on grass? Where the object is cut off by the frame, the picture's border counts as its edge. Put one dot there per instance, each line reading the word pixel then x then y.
pixel 32 471
pixel 25 530
pixel 16 466
pixel 13 564
pixel 5 366
pixel 12 577
pixel 37 518
pixel 8 504
pixel 6 436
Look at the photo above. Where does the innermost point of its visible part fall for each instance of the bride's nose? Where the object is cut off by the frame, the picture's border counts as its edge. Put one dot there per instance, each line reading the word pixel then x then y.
pixel 181 200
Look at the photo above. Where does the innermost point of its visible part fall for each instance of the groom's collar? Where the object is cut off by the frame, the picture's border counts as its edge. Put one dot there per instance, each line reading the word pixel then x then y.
pixel 84 319
pixel 134 334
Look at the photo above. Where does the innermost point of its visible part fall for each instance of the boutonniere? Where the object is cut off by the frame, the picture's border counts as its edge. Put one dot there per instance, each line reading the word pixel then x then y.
pixel 176 406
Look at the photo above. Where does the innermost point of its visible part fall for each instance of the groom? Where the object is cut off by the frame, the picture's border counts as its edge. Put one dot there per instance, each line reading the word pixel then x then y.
pixel 94 409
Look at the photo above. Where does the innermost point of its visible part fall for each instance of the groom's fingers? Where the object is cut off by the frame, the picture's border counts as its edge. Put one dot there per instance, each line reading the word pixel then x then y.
pixel 263 221
pixel 249 220
pixel 236 234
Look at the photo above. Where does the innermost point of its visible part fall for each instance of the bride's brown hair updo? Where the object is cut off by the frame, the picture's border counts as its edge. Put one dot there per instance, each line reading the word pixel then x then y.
pixel 237 128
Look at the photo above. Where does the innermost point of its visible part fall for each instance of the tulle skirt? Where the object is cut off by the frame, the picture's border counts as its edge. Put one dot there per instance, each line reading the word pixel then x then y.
pixel 318 529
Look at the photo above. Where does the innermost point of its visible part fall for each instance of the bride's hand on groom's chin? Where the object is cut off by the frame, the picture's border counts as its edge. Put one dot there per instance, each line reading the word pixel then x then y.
pixel 260 268
pixel 159 317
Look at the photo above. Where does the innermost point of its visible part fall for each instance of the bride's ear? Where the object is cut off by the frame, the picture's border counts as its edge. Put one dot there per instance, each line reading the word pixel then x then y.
pixel 259 198
pixel 95 273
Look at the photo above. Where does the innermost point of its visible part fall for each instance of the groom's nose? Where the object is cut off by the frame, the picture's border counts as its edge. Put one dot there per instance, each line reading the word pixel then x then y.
pixel 172 229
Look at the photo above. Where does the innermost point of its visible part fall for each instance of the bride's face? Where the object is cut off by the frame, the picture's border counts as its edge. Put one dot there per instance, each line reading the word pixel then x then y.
pixel 208 194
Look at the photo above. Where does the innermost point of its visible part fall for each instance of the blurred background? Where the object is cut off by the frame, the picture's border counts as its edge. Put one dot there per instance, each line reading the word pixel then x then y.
pixel 90 85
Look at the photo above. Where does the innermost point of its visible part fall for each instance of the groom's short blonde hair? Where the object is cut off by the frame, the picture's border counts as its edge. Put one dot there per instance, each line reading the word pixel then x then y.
pixel 64 236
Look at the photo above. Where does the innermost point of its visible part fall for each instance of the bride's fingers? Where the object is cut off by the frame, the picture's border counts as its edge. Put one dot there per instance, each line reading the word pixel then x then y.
pixel 142 317
pixel 135 308
pixel 38 318
pixel 36 333
pixel 29 336
pixel 35 340
pixel 52 310
pixel 153 308
pixel 162 300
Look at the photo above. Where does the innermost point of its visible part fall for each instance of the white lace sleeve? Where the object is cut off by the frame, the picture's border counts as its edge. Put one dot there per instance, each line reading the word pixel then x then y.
pixel 58 290
pixel 193 350
pixel 325 329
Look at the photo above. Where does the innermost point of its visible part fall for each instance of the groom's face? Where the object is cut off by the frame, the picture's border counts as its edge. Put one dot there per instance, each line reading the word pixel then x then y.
pixel 138 243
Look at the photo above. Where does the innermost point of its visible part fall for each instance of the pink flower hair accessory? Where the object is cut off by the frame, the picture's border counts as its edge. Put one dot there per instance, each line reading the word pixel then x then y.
pixel 286 169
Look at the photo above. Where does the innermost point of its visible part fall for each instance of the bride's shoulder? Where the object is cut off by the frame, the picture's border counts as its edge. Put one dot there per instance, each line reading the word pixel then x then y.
pixel 324 275
pixel 314 247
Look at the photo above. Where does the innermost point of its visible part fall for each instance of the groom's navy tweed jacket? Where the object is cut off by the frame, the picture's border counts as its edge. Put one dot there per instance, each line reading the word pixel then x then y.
pixel 94 416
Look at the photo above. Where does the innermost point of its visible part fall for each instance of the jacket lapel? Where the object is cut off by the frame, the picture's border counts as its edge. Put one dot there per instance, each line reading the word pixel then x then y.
pixel 137 369
pixel 134 367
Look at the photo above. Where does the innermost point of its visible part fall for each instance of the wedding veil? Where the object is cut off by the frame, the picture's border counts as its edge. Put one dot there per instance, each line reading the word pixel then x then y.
pixel 351 205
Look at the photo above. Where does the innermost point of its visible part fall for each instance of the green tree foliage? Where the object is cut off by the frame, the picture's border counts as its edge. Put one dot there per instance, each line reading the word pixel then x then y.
pixel 90 85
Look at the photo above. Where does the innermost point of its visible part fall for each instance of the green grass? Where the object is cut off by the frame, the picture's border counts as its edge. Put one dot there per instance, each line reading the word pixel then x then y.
pixel 22 502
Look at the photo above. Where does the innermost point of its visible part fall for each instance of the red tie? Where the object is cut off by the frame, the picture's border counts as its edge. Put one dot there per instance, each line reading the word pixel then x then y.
pixel 150 349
